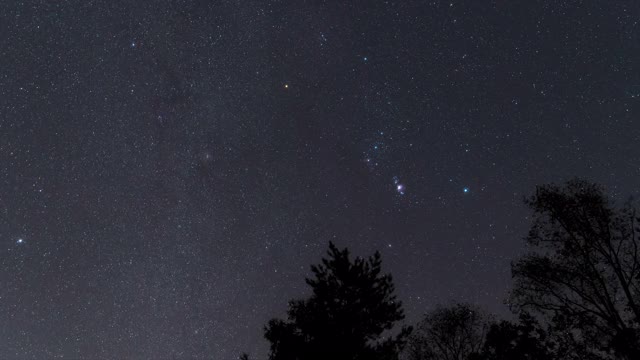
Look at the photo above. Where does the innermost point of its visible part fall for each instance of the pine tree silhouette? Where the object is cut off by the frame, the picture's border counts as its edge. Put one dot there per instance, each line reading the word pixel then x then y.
pixel 351 307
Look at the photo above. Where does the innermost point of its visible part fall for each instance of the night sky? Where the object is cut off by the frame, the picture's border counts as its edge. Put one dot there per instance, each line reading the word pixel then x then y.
pixel 170 169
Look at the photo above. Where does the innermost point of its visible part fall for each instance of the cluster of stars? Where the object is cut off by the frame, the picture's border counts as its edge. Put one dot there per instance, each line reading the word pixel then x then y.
pixel 399 186
pixel 376 154
pixel 373 155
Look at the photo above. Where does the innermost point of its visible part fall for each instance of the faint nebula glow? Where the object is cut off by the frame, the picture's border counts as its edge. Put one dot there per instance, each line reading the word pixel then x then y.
pixel 399 187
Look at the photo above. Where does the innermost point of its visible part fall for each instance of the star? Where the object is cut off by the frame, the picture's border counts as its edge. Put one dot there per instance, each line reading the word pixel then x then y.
pixel 286 86
pixel 20 241
pixel 465 190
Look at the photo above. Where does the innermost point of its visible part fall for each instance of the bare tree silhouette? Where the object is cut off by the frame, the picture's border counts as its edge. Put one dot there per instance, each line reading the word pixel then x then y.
pixel 449 333
pixel 583 270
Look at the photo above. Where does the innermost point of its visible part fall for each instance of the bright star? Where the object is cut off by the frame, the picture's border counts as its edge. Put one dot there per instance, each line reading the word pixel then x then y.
pixel 20 241
pixel 465 190
pixel 399 187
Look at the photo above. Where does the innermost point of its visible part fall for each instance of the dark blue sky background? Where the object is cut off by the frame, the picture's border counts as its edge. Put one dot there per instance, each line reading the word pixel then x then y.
pixel 174 167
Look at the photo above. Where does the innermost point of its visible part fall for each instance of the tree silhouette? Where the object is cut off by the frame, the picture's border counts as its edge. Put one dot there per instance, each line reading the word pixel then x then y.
pixel 583 270
pixel 351 306
pixel 449 333
pixel 524 340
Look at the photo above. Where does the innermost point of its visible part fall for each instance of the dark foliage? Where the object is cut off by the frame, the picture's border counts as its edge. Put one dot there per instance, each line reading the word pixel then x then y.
pixel 577 291
pixel 524 340
pixel 582 272
pixel 449 333
pixel 352 305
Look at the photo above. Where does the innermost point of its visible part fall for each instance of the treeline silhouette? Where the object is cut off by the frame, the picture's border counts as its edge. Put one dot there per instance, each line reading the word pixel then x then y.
pixel 575 296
